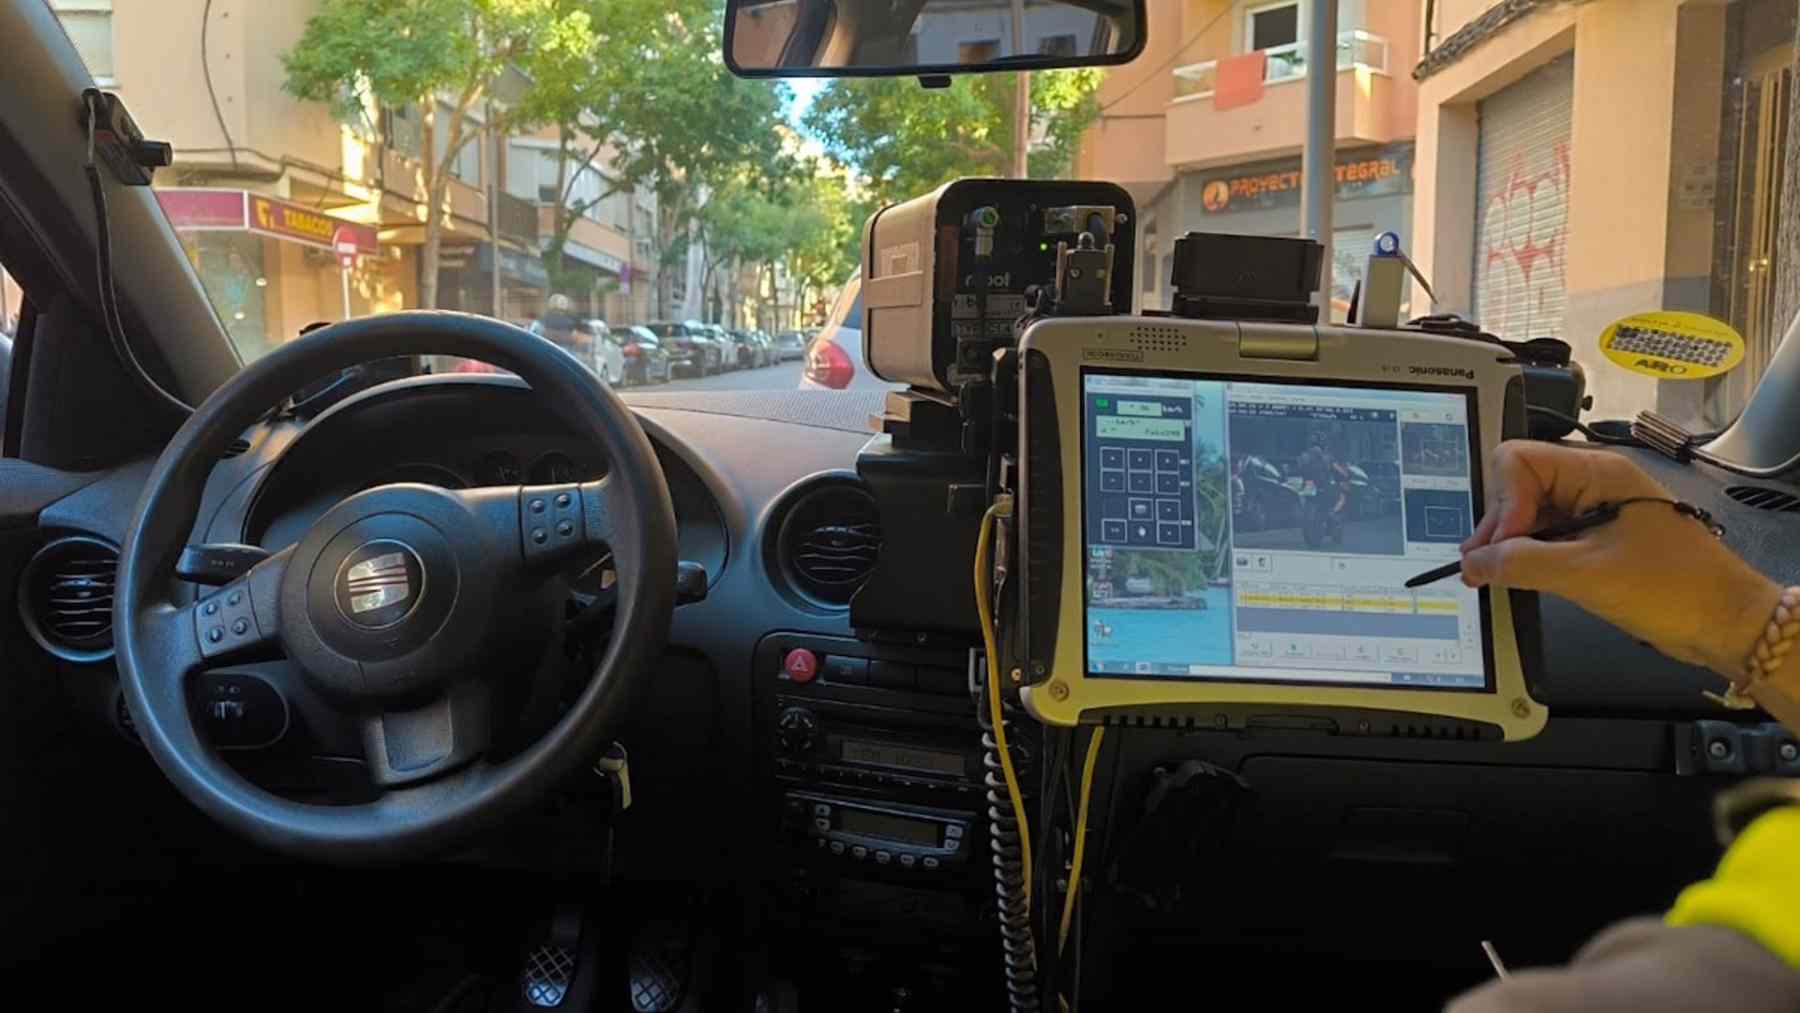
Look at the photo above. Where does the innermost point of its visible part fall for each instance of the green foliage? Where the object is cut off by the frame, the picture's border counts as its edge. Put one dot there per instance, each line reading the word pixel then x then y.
pixel 399 51
pixel 908 140
pixel 683 123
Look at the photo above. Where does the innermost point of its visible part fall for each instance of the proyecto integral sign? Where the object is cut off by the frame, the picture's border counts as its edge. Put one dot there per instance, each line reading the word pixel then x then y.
pixel 1369 172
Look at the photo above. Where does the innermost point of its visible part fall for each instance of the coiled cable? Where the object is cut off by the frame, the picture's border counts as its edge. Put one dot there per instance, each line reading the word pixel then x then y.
pixel 1008 832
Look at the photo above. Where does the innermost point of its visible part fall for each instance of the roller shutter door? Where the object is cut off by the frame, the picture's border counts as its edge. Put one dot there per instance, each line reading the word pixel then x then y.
pixel 1522 204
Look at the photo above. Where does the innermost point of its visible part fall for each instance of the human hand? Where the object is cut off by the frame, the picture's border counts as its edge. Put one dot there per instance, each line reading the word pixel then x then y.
pixel 1652 572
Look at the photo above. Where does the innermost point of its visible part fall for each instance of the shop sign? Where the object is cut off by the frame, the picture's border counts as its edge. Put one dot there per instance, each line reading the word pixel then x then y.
pixel 1369 172
pixel 199 209
pixel 282 220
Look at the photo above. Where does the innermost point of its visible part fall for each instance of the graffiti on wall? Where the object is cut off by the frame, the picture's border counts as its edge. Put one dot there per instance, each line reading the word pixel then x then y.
pixel 1524 246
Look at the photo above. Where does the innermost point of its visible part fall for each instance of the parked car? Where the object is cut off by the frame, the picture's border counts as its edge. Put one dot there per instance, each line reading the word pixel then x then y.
pixel 789 345
pixel 692 350
pixel 765 348
pixel 645 360
pixel 596 348
pixel 736 353
pixel 834 359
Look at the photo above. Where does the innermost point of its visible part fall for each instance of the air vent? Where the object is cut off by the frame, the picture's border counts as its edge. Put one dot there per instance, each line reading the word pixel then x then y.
pixel 237 447
pixel 828 541
pixel 66 597
pixel 1759 497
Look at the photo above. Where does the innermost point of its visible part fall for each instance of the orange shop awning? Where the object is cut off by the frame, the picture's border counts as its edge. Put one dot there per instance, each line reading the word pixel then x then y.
pixel 209 209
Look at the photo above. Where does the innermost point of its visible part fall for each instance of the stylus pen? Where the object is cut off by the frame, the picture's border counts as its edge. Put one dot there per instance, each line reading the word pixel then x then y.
pixel 1592 519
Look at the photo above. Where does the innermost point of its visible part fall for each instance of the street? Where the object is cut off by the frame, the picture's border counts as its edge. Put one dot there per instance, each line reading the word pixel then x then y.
pixel 782 376
pixel 1379 536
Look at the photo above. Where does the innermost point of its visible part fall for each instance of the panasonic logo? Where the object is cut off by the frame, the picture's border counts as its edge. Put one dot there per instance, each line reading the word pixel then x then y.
pixel 1112 354
pixel 1456 371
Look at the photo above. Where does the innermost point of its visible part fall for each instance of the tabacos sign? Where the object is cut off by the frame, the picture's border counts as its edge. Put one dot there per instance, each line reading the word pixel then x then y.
pixel 1370 172
pixel 282 220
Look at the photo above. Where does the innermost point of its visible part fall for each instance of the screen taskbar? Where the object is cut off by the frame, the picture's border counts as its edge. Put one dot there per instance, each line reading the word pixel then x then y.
pixel 1231 673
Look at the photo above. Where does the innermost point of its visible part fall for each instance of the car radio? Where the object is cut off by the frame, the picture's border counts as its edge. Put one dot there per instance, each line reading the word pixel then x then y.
pixel 873 757
pixel 881 833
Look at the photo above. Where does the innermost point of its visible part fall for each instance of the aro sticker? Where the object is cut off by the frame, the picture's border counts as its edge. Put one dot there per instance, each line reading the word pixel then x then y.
pixel 1671 345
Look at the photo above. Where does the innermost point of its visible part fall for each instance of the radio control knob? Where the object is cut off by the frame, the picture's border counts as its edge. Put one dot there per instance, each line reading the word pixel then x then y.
pixel 796 729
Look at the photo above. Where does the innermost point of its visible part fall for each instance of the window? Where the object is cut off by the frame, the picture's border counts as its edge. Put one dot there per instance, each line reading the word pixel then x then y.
pixel 406 131
pixel 467 166
pixel 89 24
pixel 1270 26
pixel 978 51
pixel 1057 45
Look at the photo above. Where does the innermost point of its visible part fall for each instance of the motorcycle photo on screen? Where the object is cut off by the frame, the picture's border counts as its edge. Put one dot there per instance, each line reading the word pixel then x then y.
pixel 900 505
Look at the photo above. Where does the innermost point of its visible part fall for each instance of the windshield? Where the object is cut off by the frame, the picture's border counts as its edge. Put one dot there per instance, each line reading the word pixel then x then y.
pixel 1548 172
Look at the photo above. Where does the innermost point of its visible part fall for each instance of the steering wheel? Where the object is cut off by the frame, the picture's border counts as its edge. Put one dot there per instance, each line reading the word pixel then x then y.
pixel 404 604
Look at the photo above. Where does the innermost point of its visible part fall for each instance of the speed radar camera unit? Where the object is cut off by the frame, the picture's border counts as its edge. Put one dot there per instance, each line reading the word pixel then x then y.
pixel 948 274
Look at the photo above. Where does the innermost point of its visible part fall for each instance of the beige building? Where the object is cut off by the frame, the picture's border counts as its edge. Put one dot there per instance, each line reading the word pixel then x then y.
pixel 1578 162
pixel 1207 126
pixel 293 217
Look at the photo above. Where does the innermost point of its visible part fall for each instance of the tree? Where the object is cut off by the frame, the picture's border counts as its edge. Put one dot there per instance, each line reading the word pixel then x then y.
pixel 354 54
pixel 684 125
pixel 908 140
pixel 825 236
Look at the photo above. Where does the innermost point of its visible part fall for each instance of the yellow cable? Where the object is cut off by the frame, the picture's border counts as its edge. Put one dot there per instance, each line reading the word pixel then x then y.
pixel 1081 817
pixel 984 550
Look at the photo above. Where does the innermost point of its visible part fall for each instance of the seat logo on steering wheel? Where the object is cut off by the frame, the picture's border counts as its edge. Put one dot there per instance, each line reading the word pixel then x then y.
pixel 379 584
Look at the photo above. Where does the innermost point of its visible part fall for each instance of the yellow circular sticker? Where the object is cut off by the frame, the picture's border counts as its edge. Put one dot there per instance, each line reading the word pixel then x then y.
pixel 1671 345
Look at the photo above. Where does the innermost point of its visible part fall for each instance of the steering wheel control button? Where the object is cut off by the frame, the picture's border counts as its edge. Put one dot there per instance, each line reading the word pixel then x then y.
pixel 908 861
pixel 553 519
pixel 883 857
pixel 859 852
pixel 892 675
pixel 800 665
pixel 379 584
pixel 225 622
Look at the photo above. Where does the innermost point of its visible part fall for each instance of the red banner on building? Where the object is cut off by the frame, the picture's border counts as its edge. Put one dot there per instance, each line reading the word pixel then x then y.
pixel 201 209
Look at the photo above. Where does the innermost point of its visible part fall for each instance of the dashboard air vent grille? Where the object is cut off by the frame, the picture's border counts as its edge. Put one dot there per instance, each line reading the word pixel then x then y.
pixel 829 541
pixel 1763 498
pixel 66 597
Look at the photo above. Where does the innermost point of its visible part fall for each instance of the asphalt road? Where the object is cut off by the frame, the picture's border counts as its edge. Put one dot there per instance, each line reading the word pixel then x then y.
pixel 784 376
pixel 1383 536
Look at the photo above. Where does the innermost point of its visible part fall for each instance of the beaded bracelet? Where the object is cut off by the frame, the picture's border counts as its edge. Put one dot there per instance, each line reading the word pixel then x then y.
pixel 1768 654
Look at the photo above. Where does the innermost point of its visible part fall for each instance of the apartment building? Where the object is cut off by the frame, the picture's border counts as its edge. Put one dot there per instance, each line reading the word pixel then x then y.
pixel 1206 128
pixel 1578 162
pixel 291 216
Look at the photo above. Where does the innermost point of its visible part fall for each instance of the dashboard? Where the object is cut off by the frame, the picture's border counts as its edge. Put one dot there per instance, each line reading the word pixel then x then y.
pixel 879 742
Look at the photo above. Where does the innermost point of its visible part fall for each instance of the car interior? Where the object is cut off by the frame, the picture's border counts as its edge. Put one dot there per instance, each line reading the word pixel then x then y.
pixel 329 690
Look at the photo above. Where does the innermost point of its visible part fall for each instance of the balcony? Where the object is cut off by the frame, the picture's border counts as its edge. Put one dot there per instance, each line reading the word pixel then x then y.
pixel 1373 107
pixel 516 219
pixel 1356 48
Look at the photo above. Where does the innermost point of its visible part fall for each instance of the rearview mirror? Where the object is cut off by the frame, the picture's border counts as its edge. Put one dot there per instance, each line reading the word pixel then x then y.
pixel 896 38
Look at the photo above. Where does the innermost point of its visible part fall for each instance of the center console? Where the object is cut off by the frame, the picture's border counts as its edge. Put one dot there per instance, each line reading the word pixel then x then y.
pixel 870 756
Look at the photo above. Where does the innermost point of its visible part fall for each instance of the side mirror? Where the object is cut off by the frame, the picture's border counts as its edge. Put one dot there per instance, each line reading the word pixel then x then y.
pixel 927 38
